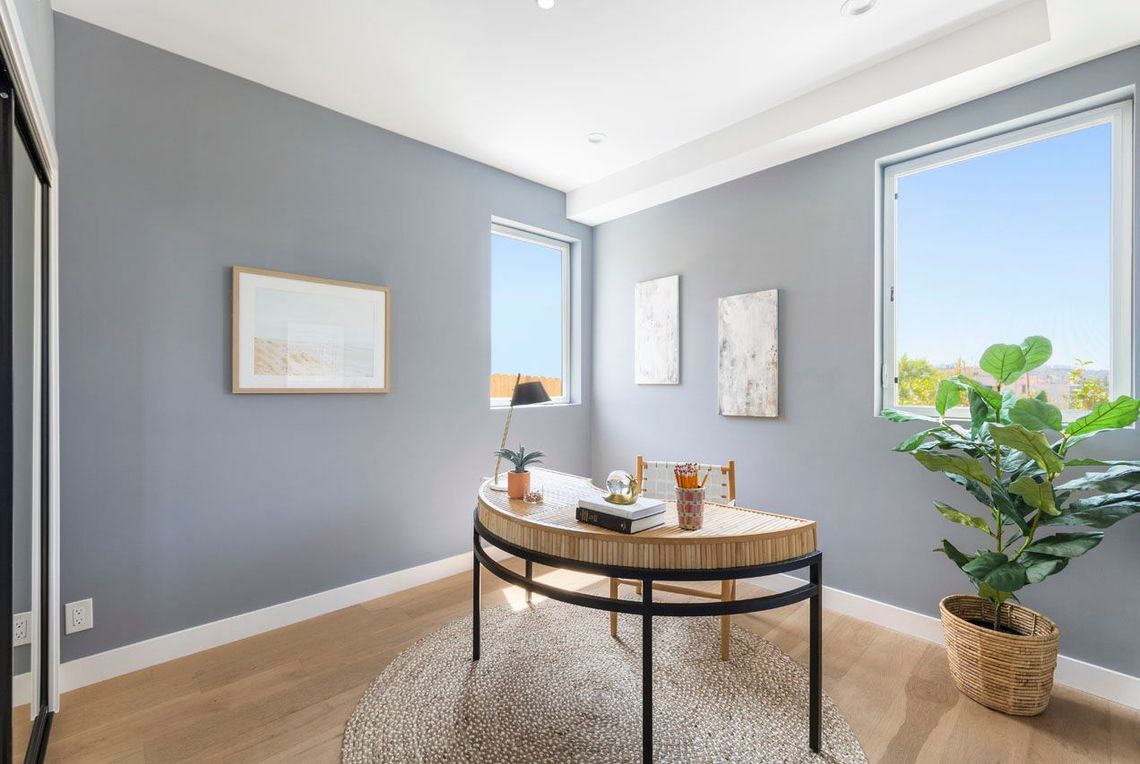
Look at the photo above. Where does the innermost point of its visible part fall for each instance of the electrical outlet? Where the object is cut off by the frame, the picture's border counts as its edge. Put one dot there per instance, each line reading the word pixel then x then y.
pixel 80 616
pixel 21 629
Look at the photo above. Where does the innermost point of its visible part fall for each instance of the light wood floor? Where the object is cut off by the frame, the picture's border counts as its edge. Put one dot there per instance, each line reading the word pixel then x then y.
pixel 285 695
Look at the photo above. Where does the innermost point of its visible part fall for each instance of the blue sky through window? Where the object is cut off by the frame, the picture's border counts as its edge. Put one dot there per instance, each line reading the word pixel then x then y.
pixel 1009 244
pixel 526 308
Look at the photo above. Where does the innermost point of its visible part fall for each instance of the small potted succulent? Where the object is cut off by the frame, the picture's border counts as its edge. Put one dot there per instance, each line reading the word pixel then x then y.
pixel 1009 457
pixel 518 479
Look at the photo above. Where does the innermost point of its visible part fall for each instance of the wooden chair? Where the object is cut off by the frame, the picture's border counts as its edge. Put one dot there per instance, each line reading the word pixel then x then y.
pixel 657 482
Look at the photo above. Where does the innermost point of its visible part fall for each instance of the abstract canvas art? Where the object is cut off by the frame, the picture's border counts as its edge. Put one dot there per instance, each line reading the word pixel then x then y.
pixel 657 331
pixel 298 334
pixel 748 354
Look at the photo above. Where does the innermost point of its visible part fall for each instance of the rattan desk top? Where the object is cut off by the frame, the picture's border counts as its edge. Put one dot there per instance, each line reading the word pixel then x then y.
pixel 731 536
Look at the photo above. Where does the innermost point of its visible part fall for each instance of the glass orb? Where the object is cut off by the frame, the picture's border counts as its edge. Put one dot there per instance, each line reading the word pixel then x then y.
pixel 622 487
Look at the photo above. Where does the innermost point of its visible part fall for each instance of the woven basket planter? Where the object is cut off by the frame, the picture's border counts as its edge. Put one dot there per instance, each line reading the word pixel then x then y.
pixel 1011 673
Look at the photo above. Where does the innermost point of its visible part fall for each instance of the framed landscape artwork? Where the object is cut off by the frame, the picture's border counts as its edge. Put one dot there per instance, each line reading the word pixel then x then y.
pixel 299 334
pixel 657 331
pixel 748 354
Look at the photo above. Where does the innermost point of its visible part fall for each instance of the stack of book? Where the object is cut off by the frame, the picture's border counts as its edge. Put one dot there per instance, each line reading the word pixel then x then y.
pixel 628 518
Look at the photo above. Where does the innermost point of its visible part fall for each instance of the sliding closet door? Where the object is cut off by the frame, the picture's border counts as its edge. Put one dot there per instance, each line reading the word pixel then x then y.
pixel 26 226
pixel 7 424
pixel 23 420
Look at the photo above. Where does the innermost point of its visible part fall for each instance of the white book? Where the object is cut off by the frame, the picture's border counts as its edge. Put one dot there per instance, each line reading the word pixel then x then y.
pixel 645 523
pixel 643 507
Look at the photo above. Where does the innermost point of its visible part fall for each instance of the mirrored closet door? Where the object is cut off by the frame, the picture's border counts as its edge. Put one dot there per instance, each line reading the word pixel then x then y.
pixel 23 355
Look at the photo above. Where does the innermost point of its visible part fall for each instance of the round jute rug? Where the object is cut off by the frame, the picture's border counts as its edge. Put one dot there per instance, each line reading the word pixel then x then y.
pixel 553 686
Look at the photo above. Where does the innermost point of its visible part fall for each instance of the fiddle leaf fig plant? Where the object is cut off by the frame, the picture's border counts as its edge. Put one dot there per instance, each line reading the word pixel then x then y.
pixel 521 458
pixel 1010 460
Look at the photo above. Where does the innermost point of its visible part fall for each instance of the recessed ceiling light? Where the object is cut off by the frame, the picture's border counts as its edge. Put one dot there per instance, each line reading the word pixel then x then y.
pixel 596 137
pixel 545 5
pixel 856 7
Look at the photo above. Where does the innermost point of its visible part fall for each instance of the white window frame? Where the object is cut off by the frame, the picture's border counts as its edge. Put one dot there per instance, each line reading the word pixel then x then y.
pixel 563 246
pixel 1118 113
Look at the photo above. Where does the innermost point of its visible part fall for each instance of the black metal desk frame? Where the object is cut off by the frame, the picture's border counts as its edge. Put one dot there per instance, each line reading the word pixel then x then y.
pixel 647 608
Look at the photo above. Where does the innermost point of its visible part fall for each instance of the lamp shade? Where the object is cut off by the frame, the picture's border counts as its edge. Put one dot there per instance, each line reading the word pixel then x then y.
pixel 527 393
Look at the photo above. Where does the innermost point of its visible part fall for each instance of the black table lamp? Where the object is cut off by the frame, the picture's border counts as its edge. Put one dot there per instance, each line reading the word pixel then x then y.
pixel 525 394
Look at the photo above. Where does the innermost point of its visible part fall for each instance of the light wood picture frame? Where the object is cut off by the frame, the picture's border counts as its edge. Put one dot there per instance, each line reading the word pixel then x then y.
pixel 304 334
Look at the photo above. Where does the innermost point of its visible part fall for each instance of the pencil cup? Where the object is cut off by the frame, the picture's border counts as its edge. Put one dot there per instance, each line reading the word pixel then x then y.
pixel 690 508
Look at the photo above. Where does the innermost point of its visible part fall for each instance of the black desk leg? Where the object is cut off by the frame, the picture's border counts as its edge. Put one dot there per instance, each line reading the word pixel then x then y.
pixel 647 676
pixel 816 660
pixel 475 605
pixel 529 576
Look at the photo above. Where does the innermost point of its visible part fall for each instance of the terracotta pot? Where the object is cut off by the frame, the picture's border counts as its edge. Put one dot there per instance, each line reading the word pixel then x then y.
pixel 518 483
pixel 1011 673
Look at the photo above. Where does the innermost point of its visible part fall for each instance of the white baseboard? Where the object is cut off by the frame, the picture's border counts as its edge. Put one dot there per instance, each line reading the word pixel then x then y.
pixel 1086 677
pixel 21 689
pixel 150 652
pixel 1095 680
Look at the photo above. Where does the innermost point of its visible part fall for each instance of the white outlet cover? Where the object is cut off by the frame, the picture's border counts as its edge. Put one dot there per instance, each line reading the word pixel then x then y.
pixel 80 616
pixel 21 629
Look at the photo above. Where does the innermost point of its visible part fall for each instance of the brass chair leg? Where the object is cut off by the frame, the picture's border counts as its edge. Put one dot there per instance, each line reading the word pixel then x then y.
pixel 727 594
pixel 613 616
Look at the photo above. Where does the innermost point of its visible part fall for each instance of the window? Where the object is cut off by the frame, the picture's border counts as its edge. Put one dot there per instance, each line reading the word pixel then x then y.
pixel 530 313
pixel 1023 233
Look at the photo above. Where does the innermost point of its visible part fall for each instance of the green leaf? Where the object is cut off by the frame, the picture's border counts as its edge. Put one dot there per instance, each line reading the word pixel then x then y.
pixel 1033 414
pixel 1008 400
pixel 1004 504
pixel 1037 350
pixel 953 464
pixel 1007 578
pixel 985 563
pixel 1100 463
pixel 905 416
pixel 979 414
pixel 1120 477
pixel 1038 566
pixel 1004 363
pixel 914 441
pixel 954 440
pixel 991 396
pixel 1037 495
pixel 1110 415
pixel 992 594
pixel 1066 544
pixel 947 396
pixel 1015 464
pixel 962 518
pixel 1030 443
pixel 1098 511
pixel 952 552
pixel 996 570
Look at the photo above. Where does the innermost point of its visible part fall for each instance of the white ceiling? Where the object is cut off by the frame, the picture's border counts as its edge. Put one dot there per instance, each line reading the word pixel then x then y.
pixel 671 82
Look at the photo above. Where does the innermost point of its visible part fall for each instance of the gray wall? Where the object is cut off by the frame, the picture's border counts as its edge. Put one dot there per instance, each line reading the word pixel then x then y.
pixel 183 503
pixel 36 19
pixel 807 227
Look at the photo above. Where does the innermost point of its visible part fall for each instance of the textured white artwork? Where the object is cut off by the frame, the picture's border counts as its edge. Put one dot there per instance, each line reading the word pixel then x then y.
pixel 657 331
pixel 748 354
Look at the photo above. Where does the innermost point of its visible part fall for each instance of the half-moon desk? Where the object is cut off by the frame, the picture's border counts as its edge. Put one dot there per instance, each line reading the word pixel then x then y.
pixel 734 543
